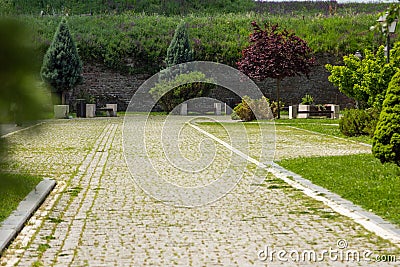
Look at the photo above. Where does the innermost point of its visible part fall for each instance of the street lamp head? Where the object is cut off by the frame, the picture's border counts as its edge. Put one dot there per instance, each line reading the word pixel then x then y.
pixel 382 18
pixel 391 28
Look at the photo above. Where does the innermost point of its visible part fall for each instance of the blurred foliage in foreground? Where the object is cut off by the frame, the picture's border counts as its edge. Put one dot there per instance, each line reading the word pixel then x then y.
pixel 22 98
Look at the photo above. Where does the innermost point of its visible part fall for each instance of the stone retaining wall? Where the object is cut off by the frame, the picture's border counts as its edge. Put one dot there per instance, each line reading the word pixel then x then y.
pixel 110 86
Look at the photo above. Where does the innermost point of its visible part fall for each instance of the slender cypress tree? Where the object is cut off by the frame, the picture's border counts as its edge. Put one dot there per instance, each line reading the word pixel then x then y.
pixel 62 66
pixel 179 50
pixel 386 140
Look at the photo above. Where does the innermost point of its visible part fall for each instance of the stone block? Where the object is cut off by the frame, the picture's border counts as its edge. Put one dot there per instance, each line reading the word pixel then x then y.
pixel 293 112
pixel 184 109
pixel 90 110
pixel 217 109
pixel 61 111
pixel 303 108
pixel 113 113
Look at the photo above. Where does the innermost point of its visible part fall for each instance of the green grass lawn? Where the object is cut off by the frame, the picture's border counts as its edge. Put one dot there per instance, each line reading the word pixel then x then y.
pixel 324 126
pixel 361 179
pixel 13 189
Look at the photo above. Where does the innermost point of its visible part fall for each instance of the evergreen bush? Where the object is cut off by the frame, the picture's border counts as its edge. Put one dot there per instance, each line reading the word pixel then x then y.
pixel 179 51
pixel 356 122
pixel 62 66
pixel 386 140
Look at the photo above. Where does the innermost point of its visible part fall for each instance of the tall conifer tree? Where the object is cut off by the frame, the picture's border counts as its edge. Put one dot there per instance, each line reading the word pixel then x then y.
pixel 62 66
pixel 386 140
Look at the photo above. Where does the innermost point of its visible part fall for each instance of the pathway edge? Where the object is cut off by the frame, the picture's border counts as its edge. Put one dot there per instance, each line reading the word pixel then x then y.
pixel 368 220
pixel 11 226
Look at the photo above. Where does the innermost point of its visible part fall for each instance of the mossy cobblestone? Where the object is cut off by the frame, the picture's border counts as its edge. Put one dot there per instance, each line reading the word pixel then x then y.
pixel 110 221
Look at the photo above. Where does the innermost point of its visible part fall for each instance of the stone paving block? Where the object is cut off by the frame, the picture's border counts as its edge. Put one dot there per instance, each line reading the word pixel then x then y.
pixel 112 222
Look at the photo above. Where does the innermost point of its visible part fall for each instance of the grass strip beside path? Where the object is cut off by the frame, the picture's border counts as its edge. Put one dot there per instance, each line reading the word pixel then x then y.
pixel 359 178
pixel 324 126
pixel 13 189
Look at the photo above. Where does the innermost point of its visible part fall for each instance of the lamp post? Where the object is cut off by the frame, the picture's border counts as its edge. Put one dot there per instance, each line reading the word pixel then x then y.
pixel 387 29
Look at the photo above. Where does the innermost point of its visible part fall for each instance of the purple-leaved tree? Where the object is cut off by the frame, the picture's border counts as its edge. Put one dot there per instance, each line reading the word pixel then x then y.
pixel 276 54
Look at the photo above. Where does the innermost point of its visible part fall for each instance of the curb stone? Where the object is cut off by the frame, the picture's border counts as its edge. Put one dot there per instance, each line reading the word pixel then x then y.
pixel 15 222
pixel 368 219
pixel 15 129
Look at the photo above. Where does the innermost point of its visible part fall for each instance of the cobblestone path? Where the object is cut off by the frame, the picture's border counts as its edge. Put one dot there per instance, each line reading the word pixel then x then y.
pixel 98 216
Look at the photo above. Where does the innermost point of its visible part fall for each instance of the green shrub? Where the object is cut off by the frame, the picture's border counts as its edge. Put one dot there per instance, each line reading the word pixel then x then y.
pixel 175 84
pixel 234 115
pixel 356 122
pixel 274 107
pixel 370 125
pixel 251 109
pixel 386 140
pixel 137 43
pixel 170 93
pixel 243 112
pixel 307 100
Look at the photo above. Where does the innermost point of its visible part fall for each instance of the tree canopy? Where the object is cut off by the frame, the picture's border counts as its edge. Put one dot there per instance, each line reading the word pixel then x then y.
pixel 366 80
pixel 62 66
pixel 179 50
pixel 275 53
pixel 167 91
pixel 386 140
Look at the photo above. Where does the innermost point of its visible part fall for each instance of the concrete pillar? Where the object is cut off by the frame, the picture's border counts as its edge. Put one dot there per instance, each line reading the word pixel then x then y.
pixel 61 111
pixel 90 110
pixel 336 110
pixel 304 108
pixel 293 112
pixel 217 108
pixel 184 109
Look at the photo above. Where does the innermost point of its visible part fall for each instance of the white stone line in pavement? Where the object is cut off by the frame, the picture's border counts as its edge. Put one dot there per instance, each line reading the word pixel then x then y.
pixel 84 169
pixel 92 177
pixel 228 146
pixel 98 146
pixel 366 222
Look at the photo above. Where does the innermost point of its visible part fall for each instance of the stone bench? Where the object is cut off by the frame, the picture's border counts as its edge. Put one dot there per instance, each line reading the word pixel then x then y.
pixel 203 110
pixel 110 109
pixel 305 111
pixel 61 111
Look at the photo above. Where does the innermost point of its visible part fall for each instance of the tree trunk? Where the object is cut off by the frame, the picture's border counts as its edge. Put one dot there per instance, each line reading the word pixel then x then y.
pixel 63 96
pixel 278 87
pixel 56 98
